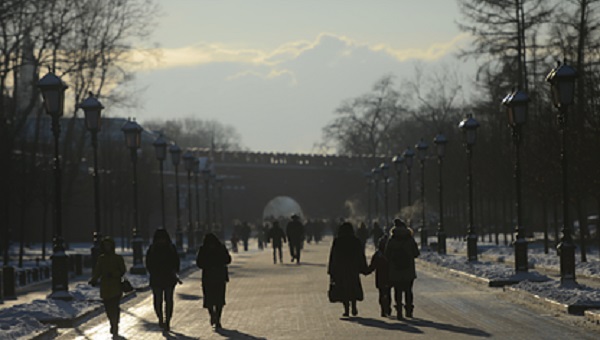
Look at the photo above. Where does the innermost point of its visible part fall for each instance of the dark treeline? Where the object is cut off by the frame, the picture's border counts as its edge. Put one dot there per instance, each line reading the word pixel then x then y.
pixel 515 44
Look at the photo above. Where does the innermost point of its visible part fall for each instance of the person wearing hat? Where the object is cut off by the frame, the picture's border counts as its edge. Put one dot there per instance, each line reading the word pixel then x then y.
pixel 295 235
pixel 401 251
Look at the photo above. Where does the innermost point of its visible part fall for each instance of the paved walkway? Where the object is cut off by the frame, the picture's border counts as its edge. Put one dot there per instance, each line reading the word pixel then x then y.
pixel 289 301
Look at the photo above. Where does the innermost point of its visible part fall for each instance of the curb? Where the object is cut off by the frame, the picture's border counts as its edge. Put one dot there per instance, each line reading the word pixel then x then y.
pixel 592 315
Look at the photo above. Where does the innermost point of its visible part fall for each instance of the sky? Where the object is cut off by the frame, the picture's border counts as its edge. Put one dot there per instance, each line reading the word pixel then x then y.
pixel 276 70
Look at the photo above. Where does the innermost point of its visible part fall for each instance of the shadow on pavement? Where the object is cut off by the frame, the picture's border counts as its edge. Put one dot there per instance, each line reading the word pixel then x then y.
pixel 397 326
pixel 448 327
pixel 190 297
pixel 233 334
pixel 175 335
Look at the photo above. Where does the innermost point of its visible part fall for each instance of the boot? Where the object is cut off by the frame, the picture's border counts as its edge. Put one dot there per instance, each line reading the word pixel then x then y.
pixel 399 312
pixel 409 311
pixel 346 309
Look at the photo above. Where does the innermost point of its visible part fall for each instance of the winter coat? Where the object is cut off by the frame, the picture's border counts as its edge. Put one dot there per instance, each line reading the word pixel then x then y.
pixel 401 251
pixel 346 262
pixel 276 235
pixel 162 262
pixel 109 269
pixel 295 232
pixel 380 265
pixel 213 259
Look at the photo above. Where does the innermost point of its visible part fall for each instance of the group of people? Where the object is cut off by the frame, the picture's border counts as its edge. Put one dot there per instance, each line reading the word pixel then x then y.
pixel 393 264
pixel 163 264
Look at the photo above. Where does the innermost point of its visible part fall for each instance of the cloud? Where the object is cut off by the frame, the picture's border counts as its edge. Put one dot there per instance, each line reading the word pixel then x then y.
pixel 205 53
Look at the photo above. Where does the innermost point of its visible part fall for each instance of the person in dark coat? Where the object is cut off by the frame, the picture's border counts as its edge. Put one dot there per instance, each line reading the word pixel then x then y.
pixel 363 234
pixel 401 251
pixel 109 269
pixel 245 232
pixel 162 262
pixel 213 259
pixel 295 235
pixel 379 264
pixel 276 236
pixel 376 233
pixel 346 262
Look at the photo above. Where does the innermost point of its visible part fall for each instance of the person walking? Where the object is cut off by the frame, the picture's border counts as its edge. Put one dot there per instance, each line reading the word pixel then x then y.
pixel 295 235
pixel 363 234
pixel 380 265
pixel 346 262
pixel 109 269
pixel 376 233
pixel 213 259
pixel 162 262
pixel 401 251
pixel 245 232
pixel 276 236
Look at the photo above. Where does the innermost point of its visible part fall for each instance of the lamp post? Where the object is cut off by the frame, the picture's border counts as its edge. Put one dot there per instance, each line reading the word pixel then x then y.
pixel 516 103
pixel 440 142
pixel 384 168
pixel 53 92
pixel 160 148
pixel 188 159
pixel 421 147
pixel 369 176
pixel 398 160
pixel 198 230
pixel 376 171
pixel 562 85
pixel 408 156
pixel 469 127
pixel 92 109
pixel 133 138
pixel 175 152
pixel 206 173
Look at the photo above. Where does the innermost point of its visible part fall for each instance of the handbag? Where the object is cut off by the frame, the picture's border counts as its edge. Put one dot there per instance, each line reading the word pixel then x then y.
pixel 126 286
pixel 334 292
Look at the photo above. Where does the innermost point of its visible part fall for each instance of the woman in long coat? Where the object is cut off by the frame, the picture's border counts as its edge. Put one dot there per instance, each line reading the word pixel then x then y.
pixel 109 269
pixel 213 259
pixel 162 262
pixel 346 262
pixel 401 251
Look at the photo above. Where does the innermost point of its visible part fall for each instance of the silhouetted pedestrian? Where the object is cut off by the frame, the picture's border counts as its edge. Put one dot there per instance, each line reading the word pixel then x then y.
pixel 276 236
pixel 295 235
pixel 162 262
pixel 376 234
pixel 109 269
pixel 346 262
pixel 245 234
pixel 380 265
pixel 363 235
pixel 213 259
pixel 401 251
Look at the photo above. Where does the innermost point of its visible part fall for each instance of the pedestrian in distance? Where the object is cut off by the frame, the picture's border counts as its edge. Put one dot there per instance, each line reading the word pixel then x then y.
pixel 363 234
pixel 213 259
pixel 277 237
pixel 401 251
pixel 245 232
pixel 109 269
pixel 376 233
pixel 346 262
pixel 380 265
pixel 162 262
pixel 295 234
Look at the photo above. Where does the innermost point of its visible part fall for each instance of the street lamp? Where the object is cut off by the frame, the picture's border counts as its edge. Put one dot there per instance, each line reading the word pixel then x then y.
pixel 92 109
pixel 198 231
pixel 384 167
pixel 53 92
pixel 160 148
pixel 175 152
pixel 133 139
pixel 408 156
pixel 369 176
pixel 562 85
pixel 206 173
pixel 469 127
pixel 516 103
pixel 440 142
pixel 398 160
pixel 188 160
pixel 421 147
pixel 375 172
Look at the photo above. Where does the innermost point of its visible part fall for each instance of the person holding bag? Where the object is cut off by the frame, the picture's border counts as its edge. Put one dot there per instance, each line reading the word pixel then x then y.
pixel 109 269
pixel 162 262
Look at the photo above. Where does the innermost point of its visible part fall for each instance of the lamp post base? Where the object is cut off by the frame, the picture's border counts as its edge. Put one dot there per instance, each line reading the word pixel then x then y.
pixel 521 264
pixel 8 282
pixel 60 276
pixel 423 233
pixel 96 250
pixel 566 250
pixel 472 247
pixel 138 258
pixel 441 246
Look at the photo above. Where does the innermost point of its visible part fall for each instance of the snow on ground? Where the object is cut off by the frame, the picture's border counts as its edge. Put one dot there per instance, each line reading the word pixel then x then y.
pixel 25 320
